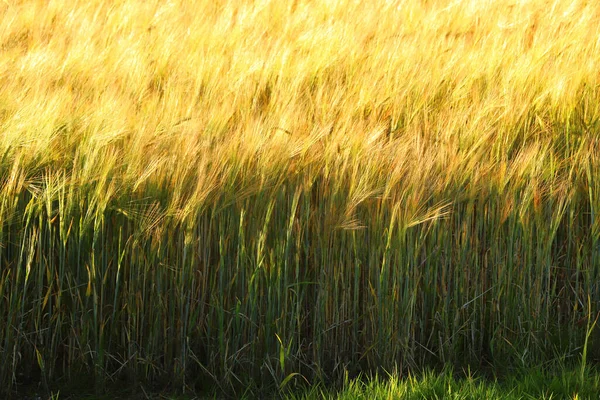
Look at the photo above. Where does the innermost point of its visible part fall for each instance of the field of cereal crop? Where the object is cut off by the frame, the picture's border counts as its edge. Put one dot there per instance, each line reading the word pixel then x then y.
pixel 280 192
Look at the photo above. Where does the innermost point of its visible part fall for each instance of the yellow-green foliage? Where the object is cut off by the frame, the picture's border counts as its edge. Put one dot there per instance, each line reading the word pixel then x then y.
pixel 243 188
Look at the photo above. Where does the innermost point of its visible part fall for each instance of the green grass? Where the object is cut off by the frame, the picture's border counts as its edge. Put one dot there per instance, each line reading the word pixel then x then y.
pixel 550 383
pixel 533 384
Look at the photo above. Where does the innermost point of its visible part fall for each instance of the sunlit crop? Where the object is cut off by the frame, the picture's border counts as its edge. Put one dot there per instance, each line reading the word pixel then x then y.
pixel 219 191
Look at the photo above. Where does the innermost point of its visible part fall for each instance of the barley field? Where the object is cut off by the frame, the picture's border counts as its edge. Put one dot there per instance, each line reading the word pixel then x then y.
pixel 280 192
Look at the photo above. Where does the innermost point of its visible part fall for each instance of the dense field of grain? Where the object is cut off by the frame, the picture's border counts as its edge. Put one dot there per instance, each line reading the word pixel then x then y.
pixel 213 192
